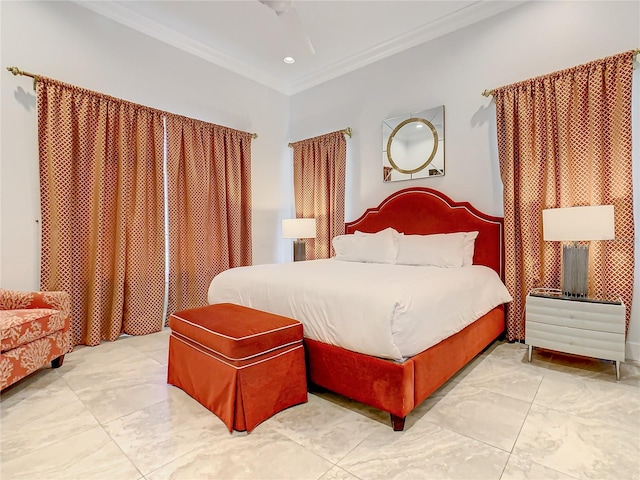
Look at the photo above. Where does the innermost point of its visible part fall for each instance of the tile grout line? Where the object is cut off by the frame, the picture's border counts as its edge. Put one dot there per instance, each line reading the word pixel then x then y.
pixel 101 425
pixel 522 426
pixel 334 464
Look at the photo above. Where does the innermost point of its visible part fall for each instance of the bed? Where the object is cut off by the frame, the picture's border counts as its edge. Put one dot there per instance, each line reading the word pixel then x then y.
pixel 378 345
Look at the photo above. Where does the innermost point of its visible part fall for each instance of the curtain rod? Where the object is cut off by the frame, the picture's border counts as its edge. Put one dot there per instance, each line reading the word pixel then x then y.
pixel 347 131
pixel 17 71
pixel 489 93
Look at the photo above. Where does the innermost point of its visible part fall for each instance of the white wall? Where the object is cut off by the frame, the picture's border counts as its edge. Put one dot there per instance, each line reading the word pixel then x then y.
pixel 530 40
pixel 67 42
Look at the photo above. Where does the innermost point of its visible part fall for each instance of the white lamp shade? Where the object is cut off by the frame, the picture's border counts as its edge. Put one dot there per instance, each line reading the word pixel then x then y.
pixel 299 228
pixel 575 224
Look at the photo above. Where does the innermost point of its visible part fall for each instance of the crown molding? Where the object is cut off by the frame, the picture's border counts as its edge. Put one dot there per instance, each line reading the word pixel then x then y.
pixel 463 17
pixel 145 25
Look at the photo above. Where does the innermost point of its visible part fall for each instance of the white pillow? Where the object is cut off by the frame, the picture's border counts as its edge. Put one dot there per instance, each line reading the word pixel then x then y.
pixel 468 247
pixel 380 247
pixel 387 231
pixel 440 250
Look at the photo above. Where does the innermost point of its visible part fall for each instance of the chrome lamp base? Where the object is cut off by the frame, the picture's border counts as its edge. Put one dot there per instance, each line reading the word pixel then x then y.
pixel 299 251
pixel 575 270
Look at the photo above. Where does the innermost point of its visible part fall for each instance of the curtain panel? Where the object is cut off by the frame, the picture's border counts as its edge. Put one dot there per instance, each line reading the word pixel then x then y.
pixel 319 168
pixel 102 210
pixel 564 140
pixel 209 203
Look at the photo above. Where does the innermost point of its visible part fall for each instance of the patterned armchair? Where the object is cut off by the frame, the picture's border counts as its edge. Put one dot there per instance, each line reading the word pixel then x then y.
pixel 34 330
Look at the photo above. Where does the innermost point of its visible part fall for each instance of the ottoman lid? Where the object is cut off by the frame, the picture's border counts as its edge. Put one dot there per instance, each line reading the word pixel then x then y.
pixel 234 331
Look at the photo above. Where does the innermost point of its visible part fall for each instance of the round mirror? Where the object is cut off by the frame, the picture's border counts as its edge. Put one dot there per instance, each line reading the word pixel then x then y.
pixel 412 145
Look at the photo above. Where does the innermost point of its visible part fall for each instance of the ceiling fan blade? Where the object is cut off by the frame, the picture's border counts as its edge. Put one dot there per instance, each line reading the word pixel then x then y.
pixel 278 6
pixel 294 28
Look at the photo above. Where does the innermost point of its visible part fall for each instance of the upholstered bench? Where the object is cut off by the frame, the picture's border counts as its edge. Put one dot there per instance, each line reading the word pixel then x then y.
pixel 242 364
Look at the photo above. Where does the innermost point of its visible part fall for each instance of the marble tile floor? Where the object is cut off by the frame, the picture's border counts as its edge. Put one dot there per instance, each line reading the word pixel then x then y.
pixel 108 413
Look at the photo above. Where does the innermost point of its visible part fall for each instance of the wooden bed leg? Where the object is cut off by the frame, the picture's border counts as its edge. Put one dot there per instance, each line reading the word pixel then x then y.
pixel 397 423
pixel 57 362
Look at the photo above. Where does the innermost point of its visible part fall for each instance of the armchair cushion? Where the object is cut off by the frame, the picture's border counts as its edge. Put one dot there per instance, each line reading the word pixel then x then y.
pixel 34 330
pixel 26 325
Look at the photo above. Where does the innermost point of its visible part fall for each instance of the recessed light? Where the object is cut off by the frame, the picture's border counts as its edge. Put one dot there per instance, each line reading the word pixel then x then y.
pixel 289 60
pixel 419 125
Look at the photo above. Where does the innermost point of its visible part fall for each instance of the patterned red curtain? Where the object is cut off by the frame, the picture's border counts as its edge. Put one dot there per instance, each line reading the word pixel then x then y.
pixel 564 140
pixel 102 201
pixel 319 168
pixel 209 199
pixel 102 210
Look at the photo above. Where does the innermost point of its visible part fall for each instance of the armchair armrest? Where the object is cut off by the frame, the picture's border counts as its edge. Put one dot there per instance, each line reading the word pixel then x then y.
pixel 15 299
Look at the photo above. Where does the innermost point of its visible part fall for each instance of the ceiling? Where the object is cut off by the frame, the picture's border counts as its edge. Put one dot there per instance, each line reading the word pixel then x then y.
pixel 248 38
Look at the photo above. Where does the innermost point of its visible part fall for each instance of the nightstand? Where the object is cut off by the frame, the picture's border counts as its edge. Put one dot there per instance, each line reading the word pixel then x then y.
pixel 588 327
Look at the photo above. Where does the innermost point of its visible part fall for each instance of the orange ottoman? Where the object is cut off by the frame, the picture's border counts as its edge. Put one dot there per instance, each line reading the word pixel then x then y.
pixel 242 364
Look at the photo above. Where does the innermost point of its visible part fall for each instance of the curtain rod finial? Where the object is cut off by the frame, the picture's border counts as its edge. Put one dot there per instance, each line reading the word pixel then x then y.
pixel 17 71
pixel 487 93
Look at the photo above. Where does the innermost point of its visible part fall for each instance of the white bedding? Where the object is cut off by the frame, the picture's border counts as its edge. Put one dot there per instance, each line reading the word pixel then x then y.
pixel 388 311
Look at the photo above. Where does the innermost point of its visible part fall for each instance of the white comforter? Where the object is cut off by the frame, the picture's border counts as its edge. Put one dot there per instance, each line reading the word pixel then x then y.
pixel 388 311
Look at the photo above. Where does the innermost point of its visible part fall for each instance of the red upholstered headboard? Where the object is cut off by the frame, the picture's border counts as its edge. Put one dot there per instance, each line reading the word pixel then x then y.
pixel 422 211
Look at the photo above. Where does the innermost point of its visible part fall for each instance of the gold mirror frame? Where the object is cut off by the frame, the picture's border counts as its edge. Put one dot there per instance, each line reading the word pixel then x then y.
pixel 413 157
pixel 433 152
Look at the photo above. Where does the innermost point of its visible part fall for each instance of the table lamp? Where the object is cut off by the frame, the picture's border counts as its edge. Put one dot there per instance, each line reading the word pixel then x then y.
pixel 575 224
pixel 299 228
